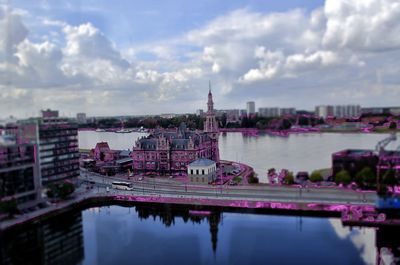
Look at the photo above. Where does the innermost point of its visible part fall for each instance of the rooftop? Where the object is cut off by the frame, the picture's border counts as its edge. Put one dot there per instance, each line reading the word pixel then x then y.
pixel 202 162
pixel 354 152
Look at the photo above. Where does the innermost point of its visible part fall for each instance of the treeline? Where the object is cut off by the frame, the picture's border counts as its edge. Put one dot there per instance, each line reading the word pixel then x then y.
pixel 191 121
pixel 196 122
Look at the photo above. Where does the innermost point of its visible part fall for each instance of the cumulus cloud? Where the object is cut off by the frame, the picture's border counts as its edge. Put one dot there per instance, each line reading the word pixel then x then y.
pixel 332 53
pixel 362 25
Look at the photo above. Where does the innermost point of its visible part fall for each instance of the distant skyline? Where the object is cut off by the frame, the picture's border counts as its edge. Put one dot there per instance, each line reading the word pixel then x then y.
pixel 132 57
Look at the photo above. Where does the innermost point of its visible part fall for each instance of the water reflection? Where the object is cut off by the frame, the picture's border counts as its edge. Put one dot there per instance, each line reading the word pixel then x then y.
pixel 166 234
pixel 168 214
pixel 57 241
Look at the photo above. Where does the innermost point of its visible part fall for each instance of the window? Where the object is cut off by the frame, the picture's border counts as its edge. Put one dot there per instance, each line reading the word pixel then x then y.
pixel 191 171
pixel 197 171
pixel 202 171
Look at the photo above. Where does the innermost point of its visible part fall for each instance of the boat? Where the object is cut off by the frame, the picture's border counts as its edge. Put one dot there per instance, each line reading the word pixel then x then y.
pixel 100 130
pixel 123 131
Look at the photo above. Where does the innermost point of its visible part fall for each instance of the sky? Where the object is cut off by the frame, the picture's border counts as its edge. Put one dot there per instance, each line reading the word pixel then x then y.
pixel 130 57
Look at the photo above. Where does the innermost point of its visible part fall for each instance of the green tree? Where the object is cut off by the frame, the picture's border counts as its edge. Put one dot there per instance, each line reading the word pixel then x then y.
pixel 393 125
pixel 343 177
pixel 389 178
pixel 252 178
pixel 316 176
pixel 60 190
pixel 289 179
pixel 366 177
pixel 65 189
pixel 9 207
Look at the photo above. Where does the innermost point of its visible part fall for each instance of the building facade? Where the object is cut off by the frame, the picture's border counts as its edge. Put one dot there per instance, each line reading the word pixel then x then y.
pixel 81 118
pixel 171 150
pixel 57 152
pixel 202 171
pixel 268 112
pixel 19 178
pixel 324 111
pixel 251 108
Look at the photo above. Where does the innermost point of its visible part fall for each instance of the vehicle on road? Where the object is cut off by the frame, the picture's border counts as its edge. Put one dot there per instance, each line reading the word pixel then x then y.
pixel 140 178
pixel 120 185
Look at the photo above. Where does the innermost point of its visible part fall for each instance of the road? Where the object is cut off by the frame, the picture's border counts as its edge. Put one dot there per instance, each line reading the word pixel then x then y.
pixel 166 187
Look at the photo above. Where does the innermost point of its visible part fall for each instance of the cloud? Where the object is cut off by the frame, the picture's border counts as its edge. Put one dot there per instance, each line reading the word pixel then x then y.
pixel 294 58
pixel 362 25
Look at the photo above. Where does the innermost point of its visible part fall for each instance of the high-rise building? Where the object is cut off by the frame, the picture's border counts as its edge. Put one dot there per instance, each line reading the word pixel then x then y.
pixel 268 112
pixel 250 108
pixel 57 141
pixel 287 111
pixel 199 112
pixel 346 111
pixel 19 178
pixel 81 118
pixel 324 111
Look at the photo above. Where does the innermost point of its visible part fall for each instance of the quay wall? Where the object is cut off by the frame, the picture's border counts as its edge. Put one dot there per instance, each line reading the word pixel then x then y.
pixel 245 206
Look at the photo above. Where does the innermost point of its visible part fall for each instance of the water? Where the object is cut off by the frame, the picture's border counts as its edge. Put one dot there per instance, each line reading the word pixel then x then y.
pixel 166 234
pixel 298 152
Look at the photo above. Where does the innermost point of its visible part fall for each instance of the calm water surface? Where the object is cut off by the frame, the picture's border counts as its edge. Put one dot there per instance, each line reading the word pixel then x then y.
pixel 297 152
pixel 154 234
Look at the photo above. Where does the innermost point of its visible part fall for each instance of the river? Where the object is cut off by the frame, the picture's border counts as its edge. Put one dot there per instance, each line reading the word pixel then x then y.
pixel 297 152
pixel 165 234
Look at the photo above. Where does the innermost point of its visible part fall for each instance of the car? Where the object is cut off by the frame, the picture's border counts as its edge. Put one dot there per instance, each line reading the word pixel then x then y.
pixel 140 178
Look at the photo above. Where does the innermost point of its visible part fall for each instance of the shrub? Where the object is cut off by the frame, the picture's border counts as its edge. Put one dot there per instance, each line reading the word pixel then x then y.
pixel 366 177
pixel 389 178
pixel 9 207
pixel 316 176
pixel 289 179
pixel 60 190
pixel 252 178
pixel 343 177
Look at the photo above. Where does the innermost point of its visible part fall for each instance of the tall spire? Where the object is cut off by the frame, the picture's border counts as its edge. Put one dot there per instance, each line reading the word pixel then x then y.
pixel 209 86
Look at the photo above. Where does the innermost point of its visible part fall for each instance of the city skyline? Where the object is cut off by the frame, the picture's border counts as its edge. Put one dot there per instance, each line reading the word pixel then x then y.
pixel 293 54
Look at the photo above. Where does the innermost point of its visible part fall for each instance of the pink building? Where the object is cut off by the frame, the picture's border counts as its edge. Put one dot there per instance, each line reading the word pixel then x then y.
pixel 165 151
pixel 102 152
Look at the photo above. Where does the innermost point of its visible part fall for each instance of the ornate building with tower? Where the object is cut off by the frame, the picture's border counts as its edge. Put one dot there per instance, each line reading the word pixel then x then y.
pixel 171 150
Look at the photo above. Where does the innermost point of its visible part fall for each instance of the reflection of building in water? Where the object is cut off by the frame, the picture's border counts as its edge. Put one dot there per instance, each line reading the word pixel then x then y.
pixel 58 241
pixel 214 220
pixel 388 246
pixel 167 215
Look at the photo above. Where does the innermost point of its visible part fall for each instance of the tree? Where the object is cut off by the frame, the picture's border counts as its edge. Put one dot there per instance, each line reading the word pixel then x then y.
pixel 366 177
pixel 289 179
pixel 65 189
pixel 343 177
pixel 393 125
pixel 316 176
pixel 9 207
pixel 252 178
pixel 389 178
pixel 60 190
pixel 271 171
